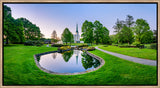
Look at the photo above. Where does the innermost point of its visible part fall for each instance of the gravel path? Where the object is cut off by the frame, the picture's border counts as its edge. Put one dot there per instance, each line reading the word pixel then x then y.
pixel 133 59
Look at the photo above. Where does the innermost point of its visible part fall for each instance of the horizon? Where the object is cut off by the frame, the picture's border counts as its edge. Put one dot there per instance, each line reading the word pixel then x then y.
pixel 50 17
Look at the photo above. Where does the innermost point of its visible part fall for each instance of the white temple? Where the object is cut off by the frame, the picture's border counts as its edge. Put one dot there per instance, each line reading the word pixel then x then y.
pixel 76 36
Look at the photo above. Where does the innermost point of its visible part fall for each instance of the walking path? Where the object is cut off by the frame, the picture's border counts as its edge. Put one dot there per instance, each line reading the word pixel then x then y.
pixel 133 59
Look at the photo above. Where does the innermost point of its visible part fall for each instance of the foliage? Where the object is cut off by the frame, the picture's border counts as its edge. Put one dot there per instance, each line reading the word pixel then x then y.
pixel 67 55
pixel 129 21
pixel 57 45
pixel 140 29
pixel 19 30
pixel 154 46
pixel 126 35
pixel 67 36
pixel 33 43
pixel 147 37
pixel 118 26
pixel 98 31
pixel 88 61
pixel 54 37
pixel 87 32
pixel 64 48
pixel 13 30
pixel 140 46
pixel 90 48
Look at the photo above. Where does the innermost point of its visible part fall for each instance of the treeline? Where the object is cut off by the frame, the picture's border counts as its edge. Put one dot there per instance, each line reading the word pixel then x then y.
pixel 19 30
pixel 131 32
pixel 95 33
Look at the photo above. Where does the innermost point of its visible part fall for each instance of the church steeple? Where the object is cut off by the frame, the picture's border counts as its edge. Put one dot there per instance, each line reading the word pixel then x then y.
pixel 76 28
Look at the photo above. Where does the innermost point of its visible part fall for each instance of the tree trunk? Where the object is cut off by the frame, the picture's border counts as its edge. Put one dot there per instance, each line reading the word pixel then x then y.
pixel 128 42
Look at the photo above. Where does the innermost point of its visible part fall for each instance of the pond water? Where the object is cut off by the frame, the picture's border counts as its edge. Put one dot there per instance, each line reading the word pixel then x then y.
pixel 68 62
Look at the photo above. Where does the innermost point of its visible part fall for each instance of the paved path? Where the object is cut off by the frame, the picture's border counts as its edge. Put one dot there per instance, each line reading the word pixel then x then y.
pixel 133 59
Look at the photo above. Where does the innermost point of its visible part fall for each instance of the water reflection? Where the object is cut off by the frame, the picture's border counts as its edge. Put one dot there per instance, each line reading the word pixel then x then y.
pixel 68 62
pixel 89 61
pixel 67 55
pixel 54 55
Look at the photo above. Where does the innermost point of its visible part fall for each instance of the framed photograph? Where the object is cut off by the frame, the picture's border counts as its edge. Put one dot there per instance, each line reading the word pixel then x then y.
pixel 77 44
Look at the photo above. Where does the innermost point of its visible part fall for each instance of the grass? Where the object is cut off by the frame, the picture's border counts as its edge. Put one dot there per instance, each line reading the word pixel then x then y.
pixel 135 52
pixel 20 69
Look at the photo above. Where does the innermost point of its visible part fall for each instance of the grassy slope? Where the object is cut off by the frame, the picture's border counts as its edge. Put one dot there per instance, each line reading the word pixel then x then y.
pixel 20 69
pixel 135 52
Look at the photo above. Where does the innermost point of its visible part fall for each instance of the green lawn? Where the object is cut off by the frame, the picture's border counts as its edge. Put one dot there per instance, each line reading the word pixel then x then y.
pixel 135 52
pixel 20 69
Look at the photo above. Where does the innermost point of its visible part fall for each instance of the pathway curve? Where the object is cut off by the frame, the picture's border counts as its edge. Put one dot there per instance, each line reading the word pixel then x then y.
pixel 133 59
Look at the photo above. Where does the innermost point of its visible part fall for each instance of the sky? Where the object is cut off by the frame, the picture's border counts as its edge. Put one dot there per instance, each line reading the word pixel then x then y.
pixel 49 17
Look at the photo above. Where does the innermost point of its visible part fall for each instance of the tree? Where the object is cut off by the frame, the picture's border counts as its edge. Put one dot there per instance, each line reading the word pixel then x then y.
pixel 98 31
pixel 87 32
pixel 147 37
pixel 31 31
pixel 105 35
pixel 54 38
pixel 154 36
pixel 129 21
pixel 67 36
pixel 13 30
pixel 71 38
pixel 118 26
pixel 140 29
pixel 126 35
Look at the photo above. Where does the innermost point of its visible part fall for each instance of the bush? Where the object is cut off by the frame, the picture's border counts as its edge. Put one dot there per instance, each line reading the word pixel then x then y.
pixel 64 48
pixel 58 45
pixel 140 46
pixel 29 43
pixel 135 43
pixel 153 46
pixel 84 45
pixel 90 48
pixel 33 43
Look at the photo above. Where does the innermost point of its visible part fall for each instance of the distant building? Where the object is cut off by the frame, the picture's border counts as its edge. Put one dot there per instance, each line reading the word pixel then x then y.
pixel 76 36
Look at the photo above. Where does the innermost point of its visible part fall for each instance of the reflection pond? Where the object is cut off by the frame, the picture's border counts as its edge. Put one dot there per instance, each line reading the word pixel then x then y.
pixel 68 62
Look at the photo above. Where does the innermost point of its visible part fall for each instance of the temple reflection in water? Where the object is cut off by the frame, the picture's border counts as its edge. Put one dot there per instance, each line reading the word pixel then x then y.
pixel 76 52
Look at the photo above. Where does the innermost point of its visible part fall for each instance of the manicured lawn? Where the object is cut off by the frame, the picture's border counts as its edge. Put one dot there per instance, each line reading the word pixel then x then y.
pixel 20 69
pixel 135 52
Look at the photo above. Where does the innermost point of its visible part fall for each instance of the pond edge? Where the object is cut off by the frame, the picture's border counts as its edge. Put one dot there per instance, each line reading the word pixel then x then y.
pixel 45 70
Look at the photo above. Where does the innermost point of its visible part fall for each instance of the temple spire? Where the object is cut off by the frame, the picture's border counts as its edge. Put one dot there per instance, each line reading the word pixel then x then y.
pixel 76 28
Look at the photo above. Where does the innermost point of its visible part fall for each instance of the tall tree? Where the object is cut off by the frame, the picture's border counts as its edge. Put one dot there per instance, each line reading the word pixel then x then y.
pixel 98 31
pixel 67 36
pixel 141 26
pixel 147 37
pixel 118 26
pixel 129 21
pixel 105 35
pixel 54 38
pixel 87 32
pixel 13 30
pixel 126 35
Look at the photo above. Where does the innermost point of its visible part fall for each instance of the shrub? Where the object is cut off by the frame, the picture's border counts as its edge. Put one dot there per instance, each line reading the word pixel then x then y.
pixel 29 43
pixel 33 43
pixel 140 46
pixel 153 46
pixel 83 45
pixel 90 48
pixel 58 45
pixel 64 48
pixel 135 43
